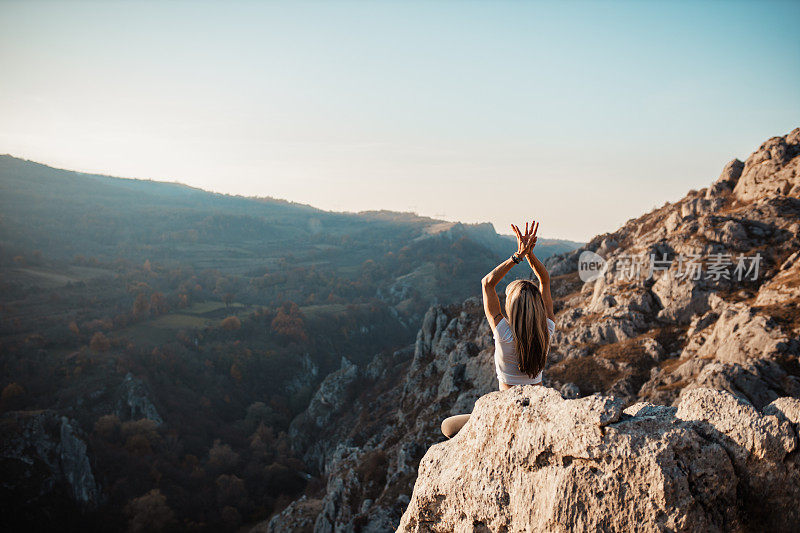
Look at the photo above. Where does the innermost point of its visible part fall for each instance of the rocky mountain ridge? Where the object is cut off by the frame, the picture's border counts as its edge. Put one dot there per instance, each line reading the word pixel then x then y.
pixel 744 328
pixel 696 363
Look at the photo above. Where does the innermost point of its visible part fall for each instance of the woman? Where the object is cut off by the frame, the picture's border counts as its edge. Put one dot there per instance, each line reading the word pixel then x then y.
pixel 522 340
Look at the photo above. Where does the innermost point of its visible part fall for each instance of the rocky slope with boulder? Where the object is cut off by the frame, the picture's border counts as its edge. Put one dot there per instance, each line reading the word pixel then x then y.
pixel 695 362
pixel 658 335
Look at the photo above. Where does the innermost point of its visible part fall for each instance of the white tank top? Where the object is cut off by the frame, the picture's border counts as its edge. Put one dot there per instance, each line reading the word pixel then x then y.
pixel 506 362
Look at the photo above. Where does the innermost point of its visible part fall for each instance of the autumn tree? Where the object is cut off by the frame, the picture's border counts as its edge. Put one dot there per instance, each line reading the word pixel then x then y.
pixel 149 513
pixel 222 458
pixel 230 490
pixel 289 323
pixel 158 304
pixel 12 396
pixel 99 342
pixel 141 305
pixel 231 518
pixel 258 413
pixel 140 436
pixel 223 286
pixel 232 323
pixel 108 427
pixel 236 372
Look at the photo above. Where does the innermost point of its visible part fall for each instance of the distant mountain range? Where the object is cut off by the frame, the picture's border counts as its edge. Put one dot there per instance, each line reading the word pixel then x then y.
pixel 63 213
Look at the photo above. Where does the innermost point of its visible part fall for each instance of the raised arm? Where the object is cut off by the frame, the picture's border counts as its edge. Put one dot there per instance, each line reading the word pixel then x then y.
pixel 544 279
pixel 491 302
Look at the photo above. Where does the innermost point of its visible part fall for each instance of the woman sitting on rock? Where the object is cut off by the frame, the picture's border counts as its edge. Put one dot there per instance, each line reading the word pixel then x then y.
pixel 521 341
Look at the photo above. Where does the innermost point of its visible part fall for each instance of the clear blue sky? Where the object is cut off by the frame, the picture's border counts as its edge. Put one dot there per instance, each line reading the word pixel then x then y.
pixel 580 114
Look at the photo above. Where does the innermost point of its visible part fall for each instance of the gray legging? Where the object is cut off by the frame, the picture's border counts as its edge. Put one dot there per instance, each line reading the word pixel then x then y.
pixel 452 424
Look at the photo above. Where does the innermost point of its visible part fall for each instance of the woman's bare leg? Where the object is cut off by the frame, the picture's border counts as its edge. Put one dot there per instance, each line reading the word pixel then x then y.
pixel 452 424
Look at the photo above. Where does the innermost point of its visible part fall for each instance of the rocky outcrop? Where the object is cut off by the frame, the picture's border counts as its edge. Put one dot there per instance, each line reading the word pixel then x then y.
pixel 332 397
pixel 657 343
pixel 367 428
pixel 51 451
pixel 773 169
pixel 747 328
pixel 48 458
pixel 134 401
pixel 784 288
pixel 530 460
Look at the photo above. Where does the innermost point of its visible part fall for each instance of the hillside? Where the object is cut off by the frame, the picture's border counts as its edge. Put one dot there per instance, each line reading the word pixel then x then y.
pixel 63 213
pixel 683 392
pixel 60 229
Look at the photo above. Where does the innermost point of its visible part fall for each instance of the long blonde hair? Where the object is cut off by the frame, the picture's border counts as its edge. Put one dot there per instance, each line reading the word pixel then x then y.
pixel 528 321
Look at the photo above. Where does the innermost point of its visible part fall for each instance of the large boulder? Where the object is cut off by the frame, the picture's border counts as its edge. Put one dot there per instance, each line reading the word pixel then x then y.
pixel 741 334
pixel 772 170
pixel 529 460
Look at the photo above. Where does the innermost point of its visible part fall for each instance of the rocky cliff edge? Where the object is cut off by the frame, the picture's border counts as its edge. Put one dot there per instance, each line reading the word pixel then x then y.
pixel 530 460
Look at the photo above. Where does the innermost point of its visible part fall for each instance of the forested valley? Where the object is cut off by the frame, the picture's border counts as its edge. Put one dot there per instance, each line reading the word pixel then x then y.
pixel 156 340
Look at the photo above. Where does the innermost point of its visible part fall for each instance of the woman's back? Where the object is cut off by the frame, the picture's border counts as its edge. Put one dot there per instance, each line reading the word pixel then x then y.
pixel 506 360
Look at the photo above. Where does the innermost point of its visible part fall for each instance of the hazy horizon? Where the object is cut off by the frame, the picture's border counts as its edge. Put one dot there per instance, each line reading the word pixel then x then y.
pixel 177 182
pixel 593 112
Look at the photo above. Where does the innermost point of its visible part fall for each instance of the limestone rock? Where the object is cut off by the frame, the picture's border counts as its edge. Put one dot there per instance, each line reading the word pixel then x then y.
pixel 740 334
pixel 680 299
pixel 329 401
pixel 773 169
pixel 784 288
pixel 134 401
pixel 43 437
pixel 727 179
pixel 787 409
pixel 529 460
pixel 570 391
pixel 759 381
